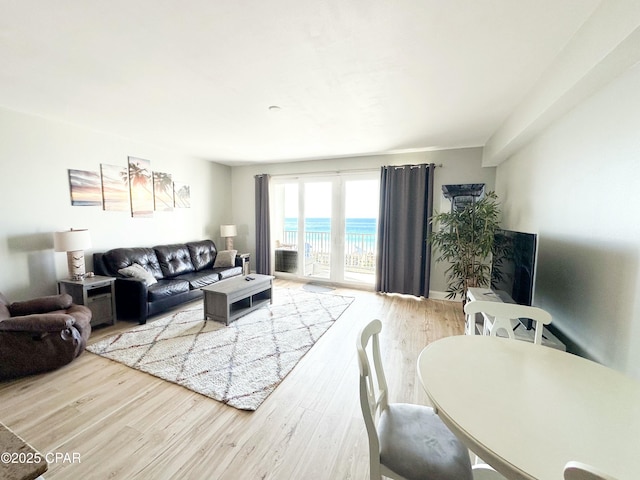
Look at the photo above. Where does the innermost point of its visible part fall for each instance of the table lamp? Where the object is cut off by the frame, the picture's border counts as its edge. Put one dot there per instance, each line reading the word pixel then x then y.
pixel 228 232
pixel 74 243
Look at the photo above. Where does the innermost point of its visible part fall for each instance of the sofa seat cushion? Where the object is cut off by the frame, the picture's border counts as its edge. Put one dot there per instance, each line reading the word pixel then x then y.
pixel 174 259
pixel 202 253
pixel 119 258
pixel 226 272
pixel 199 279
pixel 167 288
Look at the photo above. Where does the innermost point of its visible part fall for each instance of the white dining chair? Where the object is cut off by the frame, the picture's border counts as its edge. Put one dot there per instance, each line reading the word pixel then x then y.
pixel 581 471
pixel 505 315
pixel 406 441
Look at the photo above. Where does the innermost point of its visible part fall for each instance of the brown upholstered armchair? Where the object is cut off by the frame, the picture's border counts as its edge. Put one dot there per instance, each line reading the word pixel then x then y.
pixel 41 334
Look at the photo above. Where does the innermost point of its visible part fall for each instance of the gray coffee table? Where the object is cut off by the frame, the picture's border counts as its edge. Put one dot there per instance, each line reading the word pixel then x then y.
pixel 229 299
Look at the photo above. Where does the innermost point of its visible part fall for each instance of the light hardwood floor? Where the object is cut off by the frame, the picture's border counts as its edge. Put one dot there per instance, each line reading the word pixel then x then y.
pixel 125 424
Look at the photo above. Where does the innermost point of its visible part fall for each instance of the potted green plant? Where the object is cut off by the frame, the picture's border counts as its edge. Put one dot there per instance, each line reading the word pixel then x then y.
pixel 464 238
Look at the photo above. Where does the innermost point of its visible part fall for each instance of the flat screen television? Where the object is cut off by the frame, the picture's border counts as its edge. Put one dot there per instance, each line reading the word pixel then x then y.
pixel 513 265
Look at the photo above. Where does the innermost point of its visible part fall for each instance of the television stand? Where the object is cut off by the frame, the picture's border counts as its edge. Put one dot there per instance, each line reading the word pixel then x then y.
pixel 481 324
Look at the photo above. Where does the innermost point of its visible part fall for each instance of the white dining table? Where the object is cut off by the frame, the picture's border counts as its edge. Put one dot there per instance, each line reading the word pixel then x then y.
pixel 527 409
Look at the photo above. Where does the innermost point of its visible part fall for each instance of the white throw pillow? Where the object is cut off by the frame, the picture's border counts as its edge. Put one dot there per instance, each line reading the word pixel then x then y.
pixel 225 258
pixel 137 271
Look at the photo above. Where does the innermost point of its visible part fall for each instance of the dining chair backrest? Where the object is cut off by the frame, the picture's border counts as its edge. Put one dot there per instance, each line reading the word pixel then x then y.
pixel 373 384
pixel 582 471
pixel 504 313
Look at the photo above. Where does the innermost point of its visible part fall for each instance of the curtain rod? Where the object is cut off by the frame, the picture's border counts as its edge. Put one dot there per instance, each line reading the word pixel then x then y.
pixel 337 172
pixel 326 172
pixel 439 165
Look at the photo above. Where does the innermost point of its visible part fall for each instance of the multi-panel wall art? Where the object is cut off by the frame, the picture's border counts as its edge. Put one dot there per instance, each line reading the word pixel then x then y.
pixel 134 188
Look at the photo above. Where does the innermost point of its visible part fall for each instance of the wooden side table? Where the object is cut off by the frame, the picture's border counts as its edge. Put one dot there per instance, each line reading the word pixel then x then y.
pixel 97 293
pixel 244 259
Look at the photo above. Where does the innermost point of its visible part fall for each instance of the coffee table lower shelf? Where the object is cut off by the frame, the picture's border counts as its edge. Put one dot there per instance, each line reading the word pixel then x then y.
pixel 230 299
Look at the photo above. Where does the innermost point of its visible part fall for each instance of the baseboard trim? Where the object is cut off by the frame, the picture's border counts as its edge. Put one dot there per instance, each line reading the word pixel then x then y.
pixel 437 295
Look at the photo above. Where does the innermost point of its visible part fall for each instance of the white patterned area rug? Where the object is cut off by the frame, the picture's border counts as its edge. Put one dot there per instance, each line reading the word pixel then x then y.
pixel 239 365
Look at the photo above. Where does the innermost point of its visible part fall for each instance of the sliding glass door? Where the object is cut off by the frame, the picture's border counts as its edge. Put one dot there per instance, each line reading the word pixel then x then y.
pixel 324 227
pixel 317 228
pixel 361 198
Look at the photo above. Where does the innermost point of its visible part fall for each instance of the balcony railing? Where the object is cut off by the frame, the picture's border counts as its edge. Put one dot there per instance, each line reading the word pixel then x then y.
pixel 359 249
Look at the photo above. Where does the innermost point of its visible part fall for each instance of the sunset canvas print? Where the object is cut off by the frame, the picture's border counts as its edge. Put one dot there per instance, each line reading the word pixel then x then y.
pixel 163 191
pixel 181 195
pixel 115 187
pixel 141 187
pixel 85 188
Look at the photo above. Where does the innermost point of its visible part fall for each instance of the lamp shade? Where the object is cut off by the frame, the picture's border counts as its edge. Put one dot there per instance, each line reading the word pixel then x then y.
pixel 71 240
pixel 228 231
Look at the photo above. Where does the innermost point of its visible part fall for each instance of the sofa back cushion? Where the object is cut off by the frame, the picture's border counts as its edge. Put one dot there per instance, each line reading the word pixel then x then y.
pixel 203 254
pixel 120 258
pixel 174 259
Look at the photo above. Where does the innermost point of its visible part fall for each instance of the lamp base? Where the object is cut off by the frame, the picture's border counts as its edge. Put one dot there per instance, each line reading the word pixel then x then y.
pixel 75 264
pixel 228 243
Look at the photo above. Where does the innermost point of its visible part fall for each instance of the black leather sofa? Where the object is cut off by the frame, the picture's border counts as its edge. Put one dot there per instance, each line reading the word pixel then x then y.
pixel 178 272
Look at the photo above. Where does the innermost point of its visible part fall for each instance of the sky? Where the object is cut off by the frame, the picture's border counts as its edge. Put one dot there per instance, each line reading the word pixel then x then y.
pixel 361 200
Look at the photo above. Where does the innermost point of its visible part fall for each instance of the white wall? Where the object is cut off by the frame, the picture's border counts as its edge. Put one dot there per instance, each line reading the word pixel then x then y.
pixel 577 185
pixel 458 166
pixel 35 155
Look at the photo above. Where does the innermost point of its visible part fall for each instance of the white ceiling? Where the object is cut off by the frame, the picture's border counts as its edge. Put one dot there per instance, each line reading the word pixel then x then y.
pixel 351 77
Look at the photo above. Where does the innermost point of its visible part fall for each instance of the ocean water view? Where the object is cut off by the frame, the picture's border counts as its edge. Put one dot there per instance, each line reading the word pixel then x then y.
pixel 365 226
pixel 360 235
pixel 359 245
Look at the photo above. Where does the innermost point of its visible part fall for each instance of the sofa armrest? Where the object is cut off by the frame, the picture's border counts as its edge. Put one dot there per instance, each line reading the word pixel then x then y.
pixel 51 303
pixel 131 299
pixel 38 323
pixel 100 266
pixel 81 315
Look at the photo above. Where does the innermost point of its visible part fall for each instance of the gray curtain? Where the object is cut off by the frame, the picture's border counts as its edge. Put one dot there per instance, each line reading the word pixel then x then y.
pixel 263 233
pixel 406 205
